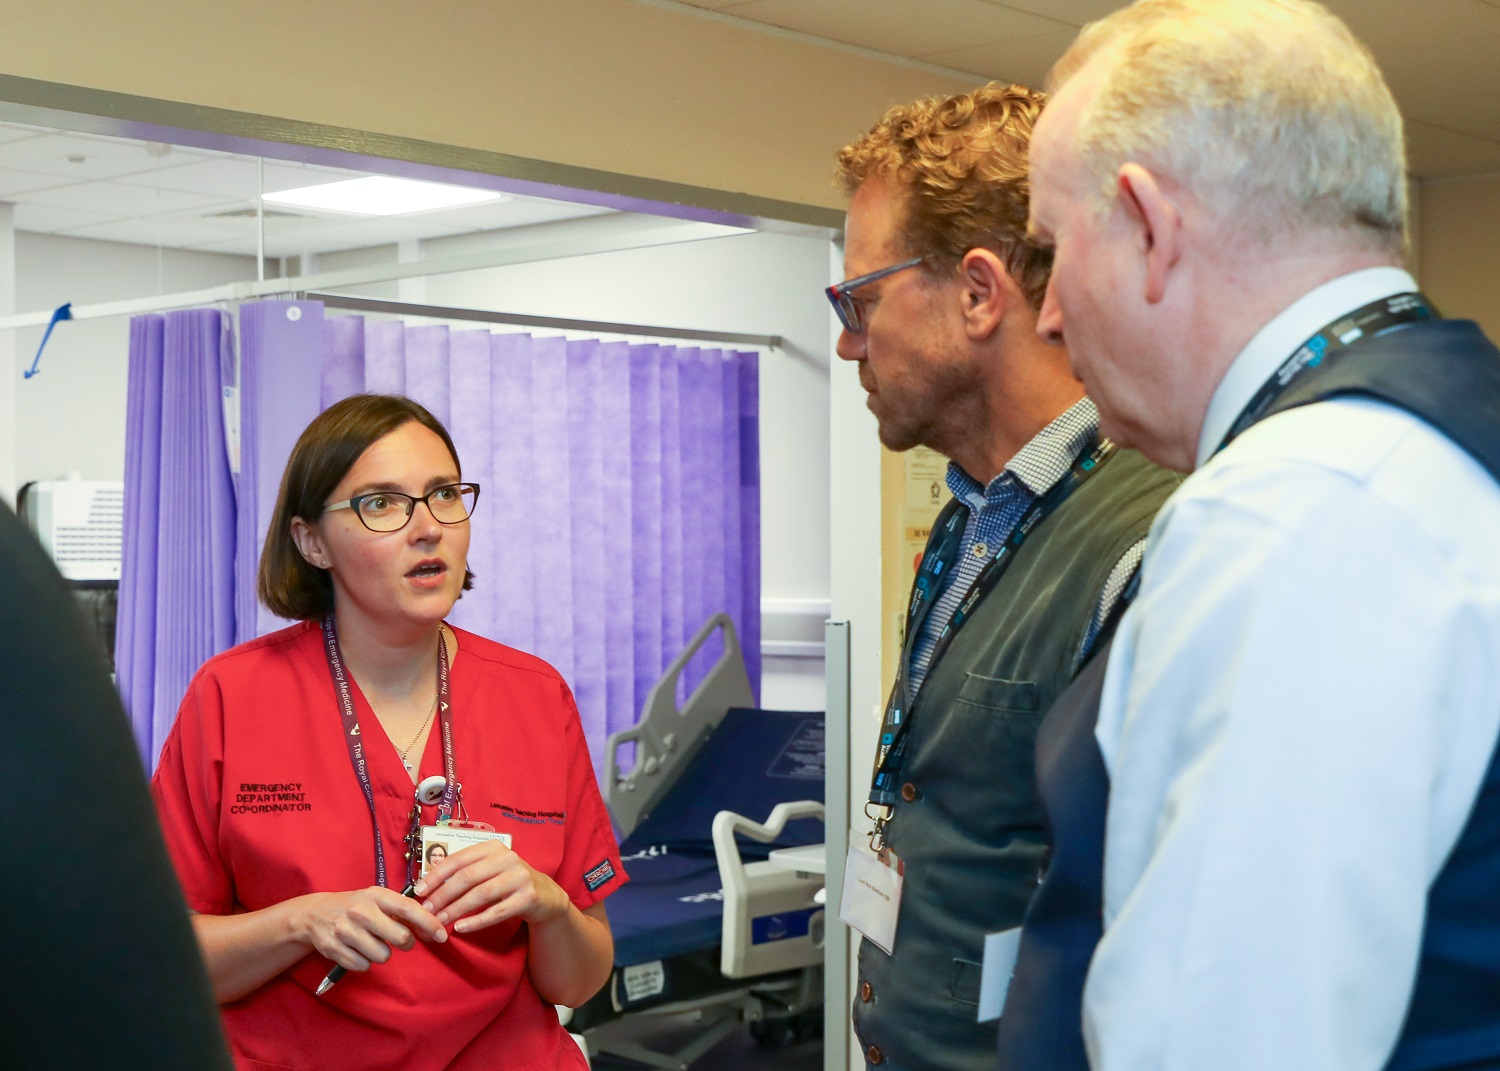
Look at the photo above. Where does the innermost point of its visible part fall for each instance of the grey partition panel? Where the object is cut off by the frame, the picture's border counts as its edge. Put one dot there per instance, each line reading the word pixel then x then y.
pixel 666 738
pixel 836 839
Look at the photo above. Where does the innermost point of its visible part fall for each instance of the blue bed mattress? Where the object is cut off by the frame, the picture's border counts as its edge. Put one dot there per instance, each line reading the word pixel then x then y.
pixel 672 904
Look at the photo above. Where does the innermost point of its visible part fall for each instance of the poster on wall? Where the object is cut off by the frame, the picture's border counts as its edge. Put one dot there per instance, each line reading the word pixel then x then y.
pixel 913 489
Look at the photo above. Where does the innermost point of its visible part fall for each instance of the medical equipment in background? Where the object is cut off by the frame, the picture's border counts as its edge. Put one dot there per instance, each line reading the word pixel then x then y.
pixel 710 931
pixel 80 524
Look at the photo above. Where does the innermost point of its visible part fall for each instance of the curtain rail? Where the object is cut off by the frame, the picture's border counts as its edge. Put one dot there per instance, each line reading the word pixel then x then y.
pixel 442 312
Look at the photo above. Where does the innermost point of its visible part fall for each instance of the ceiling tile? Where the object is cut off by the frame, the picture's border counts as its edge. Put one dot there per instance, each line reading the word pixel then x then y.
pixel 14 182
pixel 121 199
pixel 1025 61
pixel 238 176
pixel 1390 27
pixel 1073 12
pixel 499 215
pixel 168 233
pixel 1453 86
pixel 9 133
pixel 83 159
pixel 54 220
pixel 1433 152
pixel 329 236
pixel 899 27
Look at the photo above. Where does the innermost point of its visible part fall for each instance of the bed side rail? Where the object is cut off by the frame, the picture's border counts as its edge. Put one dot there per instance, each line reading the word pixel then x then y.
pixel 666 738
pixel 771 920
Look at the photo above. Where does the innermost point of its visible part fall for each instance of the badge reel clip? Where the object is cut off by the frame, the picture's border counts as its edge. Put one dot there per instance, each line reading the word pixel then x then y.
pixel 429 845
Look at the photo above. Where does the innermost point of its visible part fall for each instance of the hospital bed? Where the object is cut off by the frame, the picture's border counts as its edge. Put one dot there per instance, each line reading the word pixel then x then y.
pixel 711 930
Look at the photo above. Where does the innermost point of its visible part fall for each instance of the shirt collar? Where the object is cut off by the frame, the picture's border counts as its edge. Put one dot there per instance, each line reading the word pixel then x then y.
pixel 1279 339
pixel 1039 464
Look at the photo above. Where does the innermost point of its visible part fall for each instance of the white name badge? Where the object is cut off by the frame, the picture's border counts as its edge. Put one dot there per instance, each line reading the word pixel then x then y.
pixel 439 842
pixel 872 894
pixel 1000 950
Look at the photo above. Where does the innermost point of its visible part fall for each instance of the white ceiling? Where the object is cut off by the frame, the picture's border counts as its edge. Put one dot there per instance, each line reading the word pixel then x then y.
pixel 1440 56
pixel 86 186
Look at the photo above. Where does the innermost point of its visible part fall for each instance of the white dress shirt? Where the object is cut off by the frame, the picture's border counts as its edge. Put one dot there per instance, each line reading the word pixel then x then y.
pixel 1299 709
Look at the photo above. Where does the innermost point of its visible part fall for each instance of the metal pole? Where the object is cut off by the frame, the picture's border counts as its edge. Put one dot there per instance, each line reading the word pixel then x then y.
pixel 836 841
pixel 260 219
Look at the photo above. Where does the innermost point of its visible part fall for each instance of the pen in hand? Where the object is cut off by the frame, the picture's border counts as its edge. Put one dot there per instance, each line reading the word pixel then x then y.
pixel 336 972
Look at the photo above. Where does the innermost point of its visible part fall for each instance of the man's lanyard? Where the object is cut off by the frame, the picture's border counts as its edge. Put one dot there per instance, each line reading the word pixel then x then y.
pixel 1373 319
pixel 948 535
pixel 355 742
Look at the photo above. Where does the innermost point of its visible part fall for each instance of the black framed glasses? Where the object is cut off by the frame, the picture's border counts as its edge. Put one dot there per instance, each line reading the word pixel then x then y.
pixel 390 511
pixel 844 303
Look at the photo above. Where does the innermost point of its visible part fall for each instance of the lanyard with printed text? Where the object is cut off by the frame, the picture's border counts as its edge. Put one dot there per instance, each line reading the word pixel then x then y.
pixel 355 742
pixel 936 563
pixel 1373 319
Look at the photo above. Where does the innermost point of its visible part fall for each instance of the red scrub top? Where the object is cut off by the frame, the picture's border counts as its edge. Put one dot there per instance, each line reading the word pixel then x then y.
pixel 259 804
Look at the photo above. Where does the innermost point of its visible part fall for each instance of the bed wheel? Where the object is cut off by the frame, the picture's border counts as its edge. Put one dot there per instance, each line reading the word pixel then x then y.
pixel 770 1033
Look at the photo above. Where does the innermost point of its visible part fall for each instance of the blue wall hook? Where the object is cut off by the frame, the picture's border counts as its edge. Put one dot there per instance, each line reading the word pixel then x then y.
pixel 62 312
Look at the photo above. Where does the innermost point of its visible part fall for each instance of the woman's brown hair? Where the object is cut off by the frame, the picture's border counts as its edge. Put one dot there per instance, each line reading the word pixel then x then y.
pixel 288 584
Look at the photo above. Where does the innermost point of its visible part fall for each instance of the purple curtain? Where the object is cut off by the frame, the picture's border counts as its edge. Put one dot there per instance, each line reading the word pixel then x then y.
pixel 177 588
pixel 620 504
pixel 621 501
pixel 281 375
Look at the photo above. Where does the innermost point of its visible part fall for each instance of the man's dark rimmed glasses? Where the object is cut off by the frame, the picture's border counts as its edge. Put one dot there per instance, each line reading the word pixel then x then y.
pixel 847 307
pixel 390 511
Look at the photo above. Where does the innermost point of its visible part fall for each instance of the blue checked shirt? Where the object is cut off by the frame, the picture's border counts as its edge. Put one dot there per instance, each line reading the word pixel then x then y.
pixel 994 512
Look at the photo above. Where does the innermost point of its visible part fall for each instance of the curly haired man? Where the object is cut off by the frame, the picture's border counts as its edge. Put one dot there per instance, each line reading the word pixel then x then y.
pixel 1025 566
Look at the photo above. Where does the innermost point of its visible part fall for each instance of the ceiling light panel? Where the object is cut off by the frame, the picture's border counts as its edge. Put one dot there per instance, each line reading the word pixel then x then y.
pixel 381 195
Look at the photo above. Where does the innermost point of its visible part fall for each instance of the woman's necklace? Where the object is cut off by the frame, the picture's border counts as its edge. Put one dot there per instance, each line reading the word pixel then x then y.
pixel 425 722
pixel 406 751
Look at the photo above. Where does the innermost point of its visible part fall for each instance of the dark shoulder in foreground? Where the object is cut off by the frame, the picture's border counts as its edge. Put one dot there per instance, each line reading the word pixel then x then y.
pixel 109 907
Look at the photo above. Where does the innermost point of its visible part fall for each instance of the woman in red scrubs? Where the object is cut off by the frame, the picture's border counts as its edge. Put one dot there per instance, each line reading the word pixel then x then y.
pixel 286 788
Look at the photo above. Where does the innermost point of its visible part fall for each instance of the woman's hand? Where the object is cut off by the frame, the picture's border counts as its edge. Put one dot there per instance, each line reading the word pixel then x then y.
pixel 486 884
pixel 360 928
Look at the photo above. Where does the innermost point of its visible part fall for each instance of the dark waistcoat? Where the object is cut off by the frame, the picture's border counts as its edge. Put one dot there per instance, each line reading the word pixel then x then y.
pixel 968 825
pixel 1448 374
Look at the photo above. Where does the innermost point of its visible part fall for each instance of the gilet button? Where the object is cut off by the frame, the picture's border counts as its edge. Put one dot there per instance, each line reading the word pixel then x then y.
pixel 874 1056
pixel 908 792
pixel 865 992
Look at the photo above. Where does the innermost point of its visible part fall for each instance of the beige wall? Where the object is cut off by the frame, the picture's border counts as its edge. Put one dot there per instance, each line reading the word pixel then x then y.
pixel 1460 248
pixel 614 85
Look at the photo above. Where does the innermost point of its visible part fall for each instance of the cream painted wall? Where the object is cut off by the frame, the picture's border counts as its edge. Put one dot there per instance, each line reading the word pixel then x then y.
pixel 1460 248
pixel 615 85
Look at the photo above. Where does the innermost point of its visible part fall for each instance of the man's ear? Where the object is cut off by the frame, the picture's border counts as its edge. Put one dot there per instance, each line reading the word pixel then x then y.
pixel 1159 218
pixel 309 542
pixel 987 292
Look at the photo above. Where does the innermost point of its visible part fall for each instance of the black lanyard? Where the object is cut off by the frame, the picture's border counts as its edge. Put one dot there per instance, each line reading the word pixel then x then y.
pixel 941 554
pixel 1373 319
pixel 355 741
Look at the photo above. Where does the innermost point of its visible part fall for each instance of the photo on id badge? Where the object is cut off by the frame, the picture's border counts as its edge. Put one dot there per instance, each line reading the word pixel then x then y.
pixel 439 842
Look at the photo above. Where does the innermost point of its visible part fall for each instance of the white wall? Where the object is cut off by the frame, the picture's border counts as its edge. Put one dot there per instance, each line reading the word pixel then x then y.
pixel 753 283
pixel 72 415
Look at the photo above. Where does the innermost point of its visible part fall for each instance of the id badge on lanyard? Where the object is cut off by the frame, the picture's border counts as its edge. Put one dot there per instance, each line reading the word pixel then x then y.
pixel 871 902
